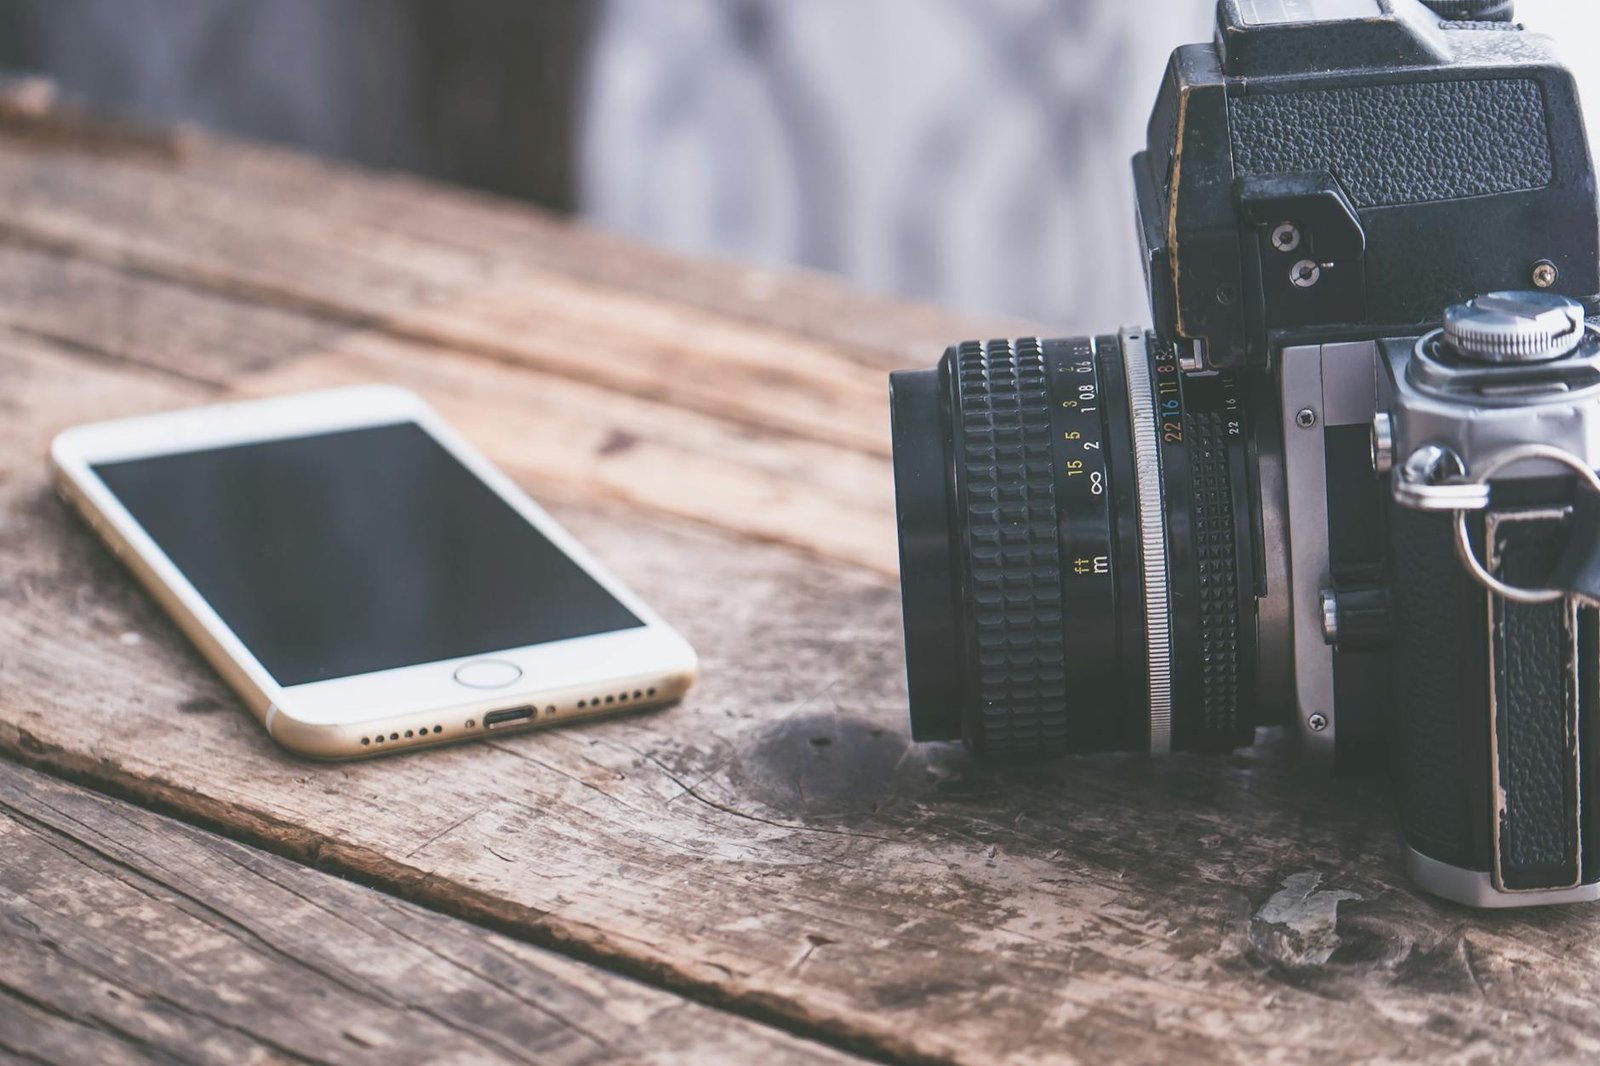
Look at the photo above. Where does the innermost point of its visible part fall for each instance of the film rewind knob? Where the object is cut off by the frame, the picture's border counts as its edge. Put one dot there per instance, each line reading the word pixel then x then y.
pixel 1515 327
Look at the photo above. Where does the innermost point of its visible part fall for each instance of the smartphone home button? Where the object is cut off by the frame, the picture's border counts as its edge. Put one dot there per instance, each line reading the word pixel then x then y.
pixel 488 673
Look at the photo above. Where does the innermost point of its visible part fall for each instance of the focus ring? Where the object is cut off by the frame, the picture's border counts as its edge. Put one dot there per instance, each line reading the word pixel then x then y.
pixel 1005 497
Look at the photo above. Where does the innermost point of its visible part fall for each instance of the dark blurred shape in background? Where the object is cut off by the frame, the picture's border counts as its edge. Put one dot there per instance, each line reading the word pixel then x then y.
pixel 970 152
pixel 481 92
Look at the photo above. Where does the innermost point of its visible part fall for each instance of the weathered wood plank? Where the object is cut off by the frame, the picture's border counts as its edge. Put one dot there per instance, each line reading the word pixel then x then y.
pixel 563 435
pixel 371 254
pixel 776 843
pixel 128 936
pixel 880 331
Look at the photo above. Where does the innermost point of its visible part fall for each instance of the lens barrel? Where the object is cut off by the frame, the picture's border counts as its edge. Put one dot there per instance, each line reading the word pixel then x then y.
pixel 1077 551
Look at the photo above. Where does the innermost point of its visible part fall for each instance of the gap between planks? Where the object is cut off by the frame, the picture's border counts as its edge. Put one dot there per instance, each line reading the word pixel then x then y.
pixel 274 958
pixel 336 257
pixel 560 433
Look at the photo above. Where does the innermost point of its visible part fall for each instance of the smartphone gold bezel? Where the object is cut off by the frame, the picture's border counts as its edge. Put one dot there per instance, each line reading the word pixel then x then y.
pixel 391 710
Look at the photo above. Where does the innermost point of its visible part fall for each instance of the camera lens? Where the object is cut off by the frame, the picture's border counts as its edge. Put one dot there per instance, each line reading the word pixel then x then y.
pixel 1078 557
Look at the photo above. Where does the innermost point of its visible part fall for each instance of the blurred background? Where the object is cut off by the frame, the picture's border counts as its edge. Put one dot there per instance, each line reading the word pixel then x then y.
pixel 967 152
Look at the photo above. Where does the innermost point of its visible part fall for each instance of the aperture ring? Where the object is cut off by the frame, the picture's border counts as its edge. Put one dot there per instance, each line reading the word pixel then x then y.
pixel 1214 545
pixel 1202 464
pixel 1143 415
pixel 1005 502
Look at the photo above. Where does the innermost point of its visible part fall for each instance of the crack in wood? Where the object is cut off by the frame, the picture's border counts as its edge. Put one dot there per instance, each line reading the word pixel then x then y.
pixel 119 863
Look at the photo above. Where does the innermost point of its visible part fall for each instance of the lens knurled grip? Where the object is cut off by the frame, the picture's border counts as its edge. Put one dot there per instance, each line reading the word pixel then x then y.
pixel 1009 533
pixel 1214 546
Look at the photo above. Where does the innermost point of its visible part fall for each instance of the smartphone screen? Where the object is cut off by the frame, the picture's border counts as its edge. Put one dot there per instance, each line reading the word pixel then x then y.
pixel 359 551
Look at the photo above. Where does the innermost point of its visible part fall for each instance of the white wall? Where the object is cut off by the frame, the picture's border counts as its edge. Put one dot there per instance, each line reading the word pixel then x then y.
pixel 969 152
pixel 1575 24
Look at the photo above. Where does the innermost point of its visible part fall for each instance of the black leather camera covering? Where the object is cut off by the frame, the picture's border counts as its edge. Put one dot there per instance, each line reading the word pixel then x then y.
pixel 1535 717
pixel 1484 138
pixel 1452 745
pixel 1440 701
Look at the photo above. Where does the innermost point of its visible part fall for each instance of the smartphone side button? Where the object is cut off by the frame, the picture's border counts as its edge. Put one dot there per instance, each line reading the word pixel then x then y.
pixel 487 673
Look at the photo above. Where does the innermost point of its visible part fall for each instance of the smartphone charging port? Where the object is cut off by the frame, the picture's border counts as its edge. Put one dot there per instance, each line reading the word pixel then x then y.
pixel 510 716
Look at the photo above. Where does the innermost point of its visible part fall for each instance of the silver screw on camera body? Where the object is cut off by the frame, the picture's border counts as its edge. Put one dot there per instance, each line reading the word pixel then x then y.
pixel 1306 418
pixel 1545 274
pixel 1306 273
pixel 1286 238
pixel 1318 722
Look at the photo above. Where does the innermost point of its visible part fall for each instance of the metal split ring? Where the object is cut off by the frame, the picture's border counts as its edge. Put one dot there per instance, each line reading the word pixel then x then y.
pixel 1499 462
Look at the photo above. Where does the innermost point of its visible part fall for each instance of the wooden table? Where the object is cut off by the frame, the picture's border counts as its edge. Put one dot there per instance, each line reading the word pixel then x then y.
pixel 768 873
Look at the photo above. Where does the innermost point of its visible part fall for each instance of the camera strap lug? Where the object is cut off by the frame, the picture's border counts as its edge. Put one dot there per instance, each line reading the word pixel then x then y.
pixel 1433 478
pixel 1576 572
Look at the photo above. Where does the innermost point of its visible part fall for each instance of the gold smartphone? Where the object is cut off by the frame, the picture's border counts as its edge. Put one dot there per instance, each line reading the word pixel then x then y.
pixel 361 576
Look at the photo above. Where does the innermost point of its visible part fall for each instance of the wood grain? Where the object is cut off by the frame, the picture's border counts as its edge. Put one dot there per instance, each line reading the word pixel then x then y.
pixel 561 434
pixel 496 234
pixel 775 843
pixel 373 256
pixel 129 937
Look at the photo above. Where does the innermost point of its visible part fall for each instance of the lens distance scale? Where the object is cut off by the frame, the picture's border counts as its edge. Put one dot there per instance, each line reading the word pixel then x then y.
pixel 1085 512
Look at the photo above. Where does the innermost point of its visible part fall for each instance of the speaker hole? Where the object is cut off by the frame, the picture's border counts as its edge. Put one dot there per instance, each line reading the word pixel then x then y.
pixel 438 729
pixel 365 741
pixel 637 694
pixel 649 692
pixel 410 734
pixel 394 736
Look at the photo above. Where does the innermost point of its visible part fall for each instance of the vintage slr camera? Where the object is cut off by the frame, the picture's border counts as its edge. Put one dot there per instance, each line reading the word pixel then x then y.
pixel 1347 481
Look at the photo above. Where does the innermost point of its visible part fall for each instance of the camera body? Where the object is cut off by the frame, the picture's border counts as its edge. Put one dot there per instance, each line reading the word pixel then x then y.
pixel 1337 486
